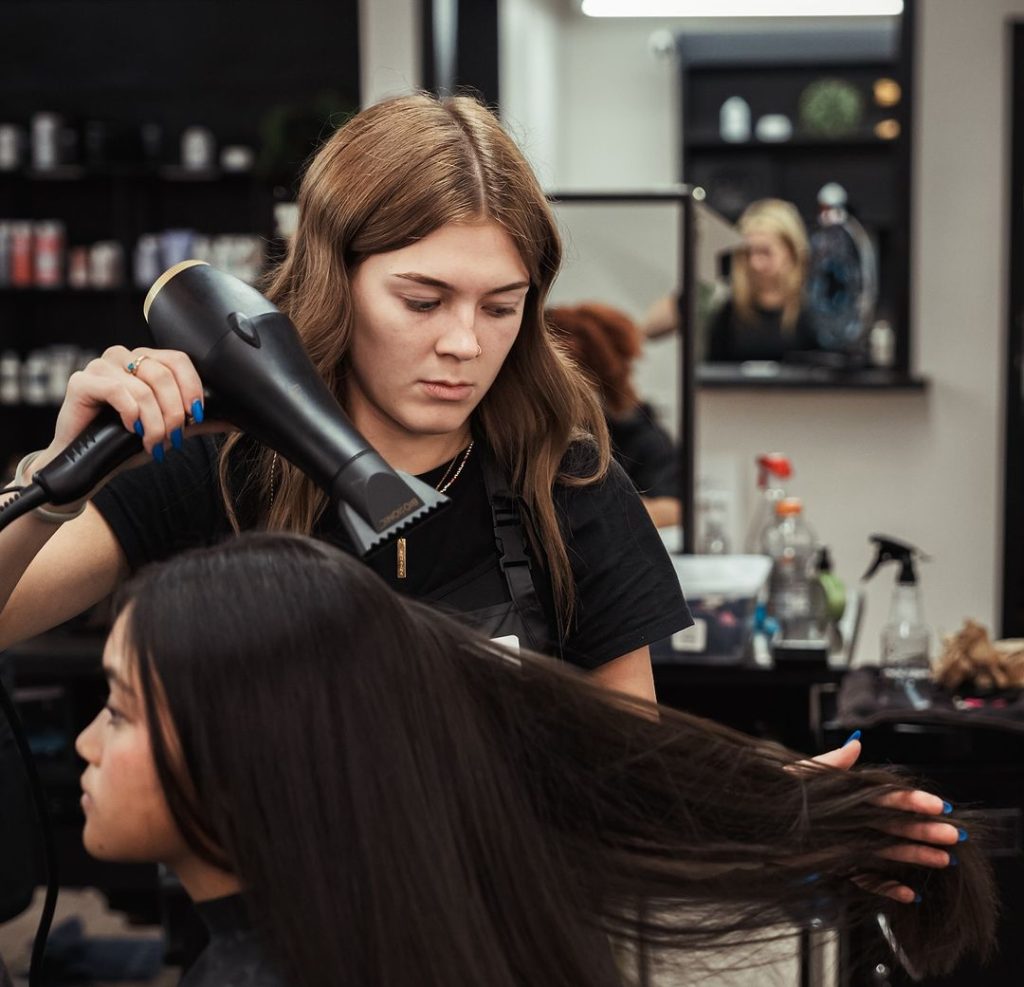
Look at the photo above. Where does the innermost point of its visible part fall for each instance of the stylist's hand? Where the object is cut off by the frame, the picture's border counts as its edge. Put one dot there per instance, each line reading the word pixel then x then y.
pixel 157 401
pixel 925 838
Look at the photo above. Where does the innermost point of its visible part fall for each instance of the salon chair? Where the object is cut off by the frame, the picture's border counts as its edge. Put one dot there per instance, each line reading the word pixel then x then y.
pixel 971 765
pixel 58 689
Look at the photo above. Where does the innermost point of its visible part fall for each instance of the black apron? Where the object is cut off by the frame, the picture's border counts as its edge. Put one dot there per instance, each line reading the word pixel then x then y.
pixel 522 615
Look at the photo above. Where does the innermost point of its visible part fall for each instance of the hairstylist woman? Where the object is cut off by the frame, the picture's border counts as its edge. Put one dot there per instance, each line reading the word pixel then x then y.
pixel 417 278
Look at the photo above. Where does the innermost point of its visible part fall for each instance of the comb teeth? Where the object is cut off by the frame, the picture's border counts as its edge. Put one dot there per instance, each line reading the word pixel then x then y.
pixel 409 521
pixel 367 540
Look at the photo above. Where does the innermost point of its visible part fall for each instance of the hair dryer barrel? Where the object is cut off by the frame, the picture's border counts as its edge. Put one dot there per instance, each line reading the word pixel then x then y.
pixel 251 358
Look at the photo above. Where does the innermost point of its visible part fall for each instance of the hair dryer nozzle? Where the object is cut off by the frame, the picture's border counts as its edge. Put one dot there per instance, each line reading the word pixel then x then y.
pixel 395 500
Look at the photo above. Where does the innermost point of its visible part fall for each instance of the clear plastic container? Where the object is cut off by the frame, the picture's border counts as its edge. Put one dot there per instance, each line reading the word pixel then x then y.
pixel 714 540
pixel 722 592
pixel 791 545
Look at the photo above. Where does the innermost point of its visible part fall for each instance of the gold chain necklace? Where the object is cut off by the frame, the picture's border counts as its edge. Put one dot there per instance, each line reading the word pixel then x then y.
pixel 446 481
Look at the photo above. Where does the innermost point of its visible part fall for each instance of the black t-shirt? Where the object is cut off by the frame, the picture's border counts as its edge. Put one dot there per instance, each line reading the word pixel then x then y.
pixel 733 340
pixel 627 593
pixel 645 451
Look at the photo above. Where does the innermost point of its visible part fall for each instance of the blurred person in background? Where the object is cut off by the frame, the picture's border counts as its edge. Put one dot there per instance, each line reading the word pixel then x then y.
pixel 764 317
pixel 605 342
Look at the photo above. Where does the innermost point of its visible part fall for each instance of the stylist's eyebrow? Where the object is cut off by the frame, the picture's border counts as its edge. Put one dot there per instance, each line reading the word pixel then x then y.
pixel 435 283
pixel 114 679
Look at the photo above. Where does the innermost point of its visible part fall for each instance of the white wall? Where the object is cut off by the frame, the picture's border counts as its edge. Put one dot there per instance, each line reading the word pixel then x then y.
pixel 389 49
pixel 530 76
pixel 618 107
pixel 927 467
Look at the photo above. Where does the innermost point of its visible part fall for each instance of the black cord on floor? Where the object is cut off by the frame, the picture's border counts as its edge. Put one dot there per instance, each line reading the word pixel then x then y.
pixel 49 847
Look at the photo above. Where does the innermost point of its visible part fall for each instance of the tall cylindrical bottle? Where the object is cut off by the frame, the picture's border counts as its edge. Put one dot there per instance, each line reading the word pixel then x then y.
pixel 772 469
pixel 905 637
pixel 791 544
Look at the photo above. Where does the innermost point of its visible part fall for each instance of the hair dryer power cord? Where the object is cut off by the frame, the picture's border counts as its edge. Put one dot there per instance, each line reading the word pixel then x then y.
pixel 27 499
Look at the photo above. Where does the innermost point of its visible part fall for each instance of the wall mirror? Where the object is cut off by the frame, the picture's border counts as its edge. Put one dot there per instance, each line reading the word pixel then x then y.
pixel 801 136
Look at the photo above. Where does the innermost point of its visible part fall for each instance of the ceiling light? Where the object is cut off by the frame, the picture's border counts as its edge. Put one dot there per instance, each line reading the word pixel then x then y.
pixel 741 8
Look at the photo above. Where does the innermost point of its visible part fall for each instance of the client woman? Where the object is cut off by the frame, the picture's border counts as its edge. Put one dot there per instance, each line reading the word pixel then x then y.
pixel 357 790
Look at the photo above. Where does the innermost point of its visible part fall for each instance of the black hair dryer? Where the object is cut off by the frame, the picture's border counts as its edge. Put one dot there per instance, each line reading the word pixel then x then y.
pixel 251 357
pixel 260 379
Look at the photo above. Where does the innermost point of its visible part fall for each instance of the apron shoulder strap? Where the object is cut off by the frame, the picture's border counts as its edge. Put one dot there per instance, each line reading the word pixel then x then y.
pixel 513 554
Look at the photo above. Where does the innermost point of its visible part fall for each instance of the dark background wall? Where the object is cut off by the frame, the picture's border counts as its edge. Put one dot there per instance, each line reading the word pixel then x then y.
pixel 224 63
pixel 276 77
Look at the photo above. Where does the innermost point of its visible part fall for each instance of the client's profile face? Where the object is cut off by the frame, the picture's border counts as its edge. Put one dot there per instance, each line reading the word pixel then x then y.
pixel 126 813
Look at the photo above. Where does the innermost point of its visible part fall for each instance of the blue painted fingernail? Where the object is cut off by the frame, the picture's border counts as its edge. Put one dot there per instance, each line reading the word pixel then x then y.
pixel 954 860
pixel 177 438
pixel 158 453
pixel 138 428
pixel 197 411
pixel 961 836
pixel 853 736
pixel 947 809
pixel 917 899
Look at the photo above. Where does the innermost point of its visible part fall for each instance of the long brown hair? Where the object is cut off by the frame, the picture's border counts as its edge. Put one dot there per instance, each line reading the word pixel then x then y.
pixel 408 805
pixel 390 176
pixel 782 220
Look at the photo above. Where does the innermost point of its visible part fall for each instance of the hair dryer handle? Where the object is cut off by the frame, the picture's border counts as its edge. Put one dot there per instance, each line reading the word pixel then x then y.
pixel 102 446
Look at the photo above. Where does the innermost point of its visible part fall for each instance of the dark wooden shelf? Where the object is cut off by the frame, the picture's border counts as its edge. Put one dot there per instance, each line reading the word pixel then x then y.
pixel 128 172
pixel 798 142
pixel 730 376
pixel 65 292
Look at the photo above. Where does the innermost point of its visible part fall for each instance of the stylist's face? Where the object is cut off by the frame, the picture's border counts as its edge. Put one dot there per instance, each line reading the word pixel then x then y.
pixel 126 814
pixel 434 322
pixel 768 258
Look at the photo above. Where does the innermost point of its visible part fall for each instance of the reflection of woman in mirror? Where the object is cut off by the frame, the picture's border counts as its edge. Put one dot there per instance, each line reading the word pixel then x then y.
pixel 764 318
pixel 605 342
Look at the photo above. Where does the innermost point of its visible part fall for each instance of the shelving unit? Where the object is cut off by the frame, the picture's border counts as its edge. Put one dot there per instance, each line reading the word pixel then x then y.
pixel 771 74
pixel 274 83
pixel 720 376
pixel 119 204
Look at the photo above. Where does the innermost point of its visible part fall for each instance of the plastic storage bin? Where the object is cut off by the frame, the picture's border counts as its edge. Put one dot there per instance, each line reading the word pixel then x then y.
pixel 723 592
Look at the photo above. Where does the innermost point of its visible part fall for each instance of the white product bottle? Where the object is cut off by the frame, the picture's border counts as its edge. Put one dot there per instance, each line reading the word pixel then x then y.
pixel 734 120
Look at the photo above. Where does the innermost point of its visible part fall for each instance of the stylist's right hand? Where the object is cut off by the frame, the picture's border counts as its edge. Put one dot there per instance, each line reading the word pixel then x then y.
pixel 155 392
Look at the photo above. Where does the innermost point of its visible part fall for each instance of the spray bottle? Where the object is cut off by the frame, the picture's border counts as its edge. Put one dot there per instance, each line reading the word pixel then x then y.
pixel 772 469
pixel 905 638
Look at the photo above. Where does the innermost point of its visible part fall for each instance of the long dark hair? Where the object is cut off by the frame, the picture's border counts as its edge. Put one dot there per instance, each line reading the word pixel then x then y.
pixel 406 804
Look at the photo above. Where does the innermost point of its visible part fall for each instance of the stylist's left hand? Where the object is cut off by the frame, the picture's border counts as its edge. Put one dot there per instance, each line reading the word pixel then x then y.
pixel 925 838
